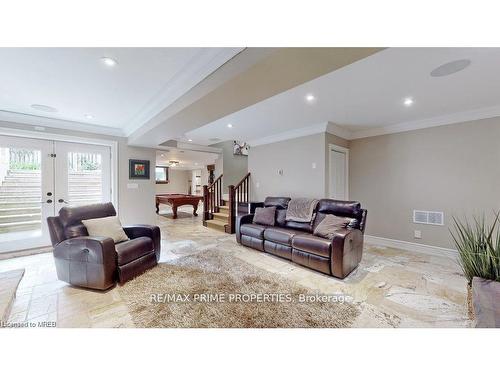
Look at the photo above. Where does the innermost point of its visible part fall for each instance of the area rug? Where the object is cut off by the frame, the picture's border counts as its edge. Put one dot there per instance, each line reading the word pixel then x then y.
pixel 212 289
pixel 9 282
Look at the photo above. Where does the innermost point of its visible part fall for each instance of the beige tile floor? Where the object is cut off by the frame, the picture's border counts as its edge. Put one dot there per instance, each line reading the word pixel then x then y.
pixel 393 288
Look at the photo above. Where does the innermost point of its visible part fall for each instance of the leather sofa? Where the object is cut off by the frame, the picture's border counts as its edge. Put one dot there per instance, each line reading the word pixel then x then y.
pixel 295 241
pixel 97 262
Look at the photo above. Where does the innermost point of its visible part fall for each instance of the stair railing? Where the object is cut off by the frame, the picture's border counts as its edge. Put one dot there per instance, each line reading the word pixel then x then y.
pixel 238 194
pixel 212 199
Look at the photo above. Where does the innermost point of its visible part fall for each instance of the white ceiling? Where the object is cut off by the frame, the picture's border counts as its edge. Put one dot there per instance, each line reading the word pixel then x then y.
pixel 368 95
pixel 187 159
pixel 76 82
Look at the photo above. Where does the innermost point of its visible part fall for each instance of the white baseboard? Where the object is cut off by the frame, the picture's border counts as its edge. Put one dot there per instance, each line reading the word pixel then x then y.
pixel 411 246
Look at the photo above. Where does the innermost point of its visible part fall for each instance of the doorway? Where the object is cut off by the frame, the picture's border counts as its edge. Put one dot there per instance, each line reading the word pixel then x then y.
pixel 38 177
pixel 339 173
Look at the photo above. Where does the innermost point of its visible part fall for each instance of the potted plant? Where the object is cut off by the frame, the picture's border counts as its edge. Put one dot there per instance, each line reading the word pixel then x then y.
pixel 478 245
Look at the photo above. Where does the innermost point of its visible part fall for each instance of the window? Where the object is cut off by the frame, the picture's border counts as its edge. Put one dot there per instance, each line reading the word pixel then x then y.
pixel 161 174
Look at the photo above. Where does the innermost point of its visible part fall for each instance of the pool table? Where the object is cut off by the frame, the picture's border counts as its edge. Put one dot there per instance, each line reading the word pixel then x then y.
pixel 177 200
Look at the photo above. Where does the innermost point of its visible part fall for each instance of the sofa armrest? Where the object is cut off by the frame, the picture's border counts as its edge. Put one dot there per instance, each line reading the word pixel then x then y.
pixel 240 220
pixel 151 231
pixel 347 251
pixel 86 261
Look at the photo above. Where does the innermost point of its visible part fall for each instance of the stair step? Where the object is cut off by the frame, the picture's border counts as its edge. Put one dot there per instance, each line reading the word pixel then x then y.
pixel 19 210
pixel 223 216
pixel 8 190
pixel 216 224
pixel 20 226
pixel 19 217
pixel 19 204
pixel 23 197
pixel 19 223
pixel 224 209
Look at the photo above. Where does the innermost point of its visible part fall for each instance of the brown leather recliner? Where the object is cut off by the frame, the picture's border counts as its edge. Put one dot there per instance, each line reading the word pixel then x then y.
pixel 97 262
pixel 296 242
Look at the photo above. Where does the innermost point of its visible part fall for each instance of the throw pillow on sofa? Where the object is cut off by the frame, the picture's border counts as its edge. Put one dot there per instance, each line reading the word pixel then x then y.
pixel 109 226
pixel 330 225
pixel 265 216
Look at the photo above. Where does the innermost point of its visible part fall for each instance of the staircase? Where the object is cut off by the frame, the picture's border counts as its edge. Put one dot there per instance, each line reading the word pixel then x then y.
pixel 220 220
pixel 20 201
pixel 220 213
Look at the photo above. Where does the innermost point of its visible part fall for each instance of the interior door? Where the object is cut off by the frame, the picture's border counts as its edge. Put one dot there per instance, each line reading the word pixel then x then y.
pixel 338 178
pixel 83 174
pixel 26 192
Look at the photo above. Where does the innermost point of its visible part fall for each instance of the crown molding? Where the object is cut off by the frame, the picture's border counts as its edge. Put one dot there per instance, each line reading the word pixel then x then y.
pixel 343 132
pixel 339 131
pixel 477 114
pixel 199 68
pixel 296 133
pixel 22 118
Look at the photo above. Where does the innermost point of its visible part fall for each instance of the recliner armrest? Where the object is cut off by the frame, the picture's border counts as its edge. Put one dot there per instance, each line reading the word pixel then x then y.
pixel 151 231
pixel 86 261
pixel 347 250
pixel 240 220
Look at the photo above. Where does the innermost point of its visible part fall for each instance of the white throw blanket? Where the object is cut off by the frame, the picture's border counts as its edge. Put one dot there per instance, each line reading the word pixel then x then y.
pixel 301 209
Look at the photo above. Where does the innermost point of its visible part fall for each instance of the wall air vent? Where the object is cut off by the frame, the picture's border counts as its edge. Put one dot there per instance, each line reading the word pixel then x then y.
pixel 428 217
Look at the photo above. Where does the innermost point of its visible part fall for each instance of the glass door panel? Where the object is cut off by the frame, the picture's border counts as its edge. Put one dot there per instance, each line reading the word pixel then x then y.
pixel 26 192
pixel 83 174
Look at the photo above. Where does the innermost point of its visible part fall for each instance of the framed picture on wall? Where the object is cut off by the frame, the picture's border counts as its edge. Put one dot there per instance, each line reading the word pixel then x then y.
pixel 138 169
pixel 240 148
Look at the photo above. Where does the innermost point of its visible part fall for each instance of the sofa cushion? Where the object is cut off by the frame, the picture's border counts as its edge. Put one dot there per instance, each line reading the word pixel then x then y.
pixel 131 250
pixel 312 244
pixel 253 230
pixel 264 215
pixel 280 235
pixel 109 226
pixel 330 225
pixel 350 209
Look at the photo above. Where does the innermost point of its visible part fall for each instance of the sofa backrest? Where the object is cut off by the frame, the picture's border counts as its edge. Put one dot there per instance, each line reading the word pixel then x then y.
pixel 350 209
pixel 69 222
pixel 281 204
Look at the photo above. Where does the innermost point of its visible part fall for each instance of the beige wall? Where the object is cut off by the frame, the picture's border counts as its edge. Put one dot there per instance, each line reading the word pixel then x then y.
pixel 234 167
pixel 135 205
pixel 453 168
pixel 178 182
pixel 295 157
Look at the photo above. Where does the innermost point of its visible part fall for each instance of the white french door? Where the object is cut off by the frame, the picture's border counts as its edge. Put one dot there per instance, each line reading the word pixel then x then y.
pixel 82 174
pixel 38 177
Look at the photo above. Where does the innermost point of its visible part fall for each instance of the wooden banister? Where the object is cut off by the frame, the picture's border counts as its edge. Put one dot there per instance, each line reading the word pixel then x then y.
pixel 212 199
pixel 239 193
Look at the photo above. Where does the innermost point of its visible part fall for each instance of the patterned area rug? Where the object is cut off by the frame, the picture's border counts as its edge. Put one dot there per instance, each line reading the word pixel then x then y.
pixel 217 290
pixel 9 282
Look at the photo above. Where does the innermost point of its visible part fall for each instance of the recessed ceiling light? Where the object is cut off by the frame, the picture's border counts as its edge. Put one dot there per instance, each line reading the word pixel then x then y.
pixel 44 108
pixel 229 125
pixel 310 97
pixel 451 67
pixel 162 155
pixel 195 163
pixel 190 140
pixel 90 117
pixel 408 102
pixel 108 61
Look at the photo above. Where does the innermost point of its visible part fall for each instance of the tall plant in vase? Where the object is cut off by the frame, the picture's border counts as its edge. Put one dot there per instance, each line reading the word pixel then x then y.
pixel 478 245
